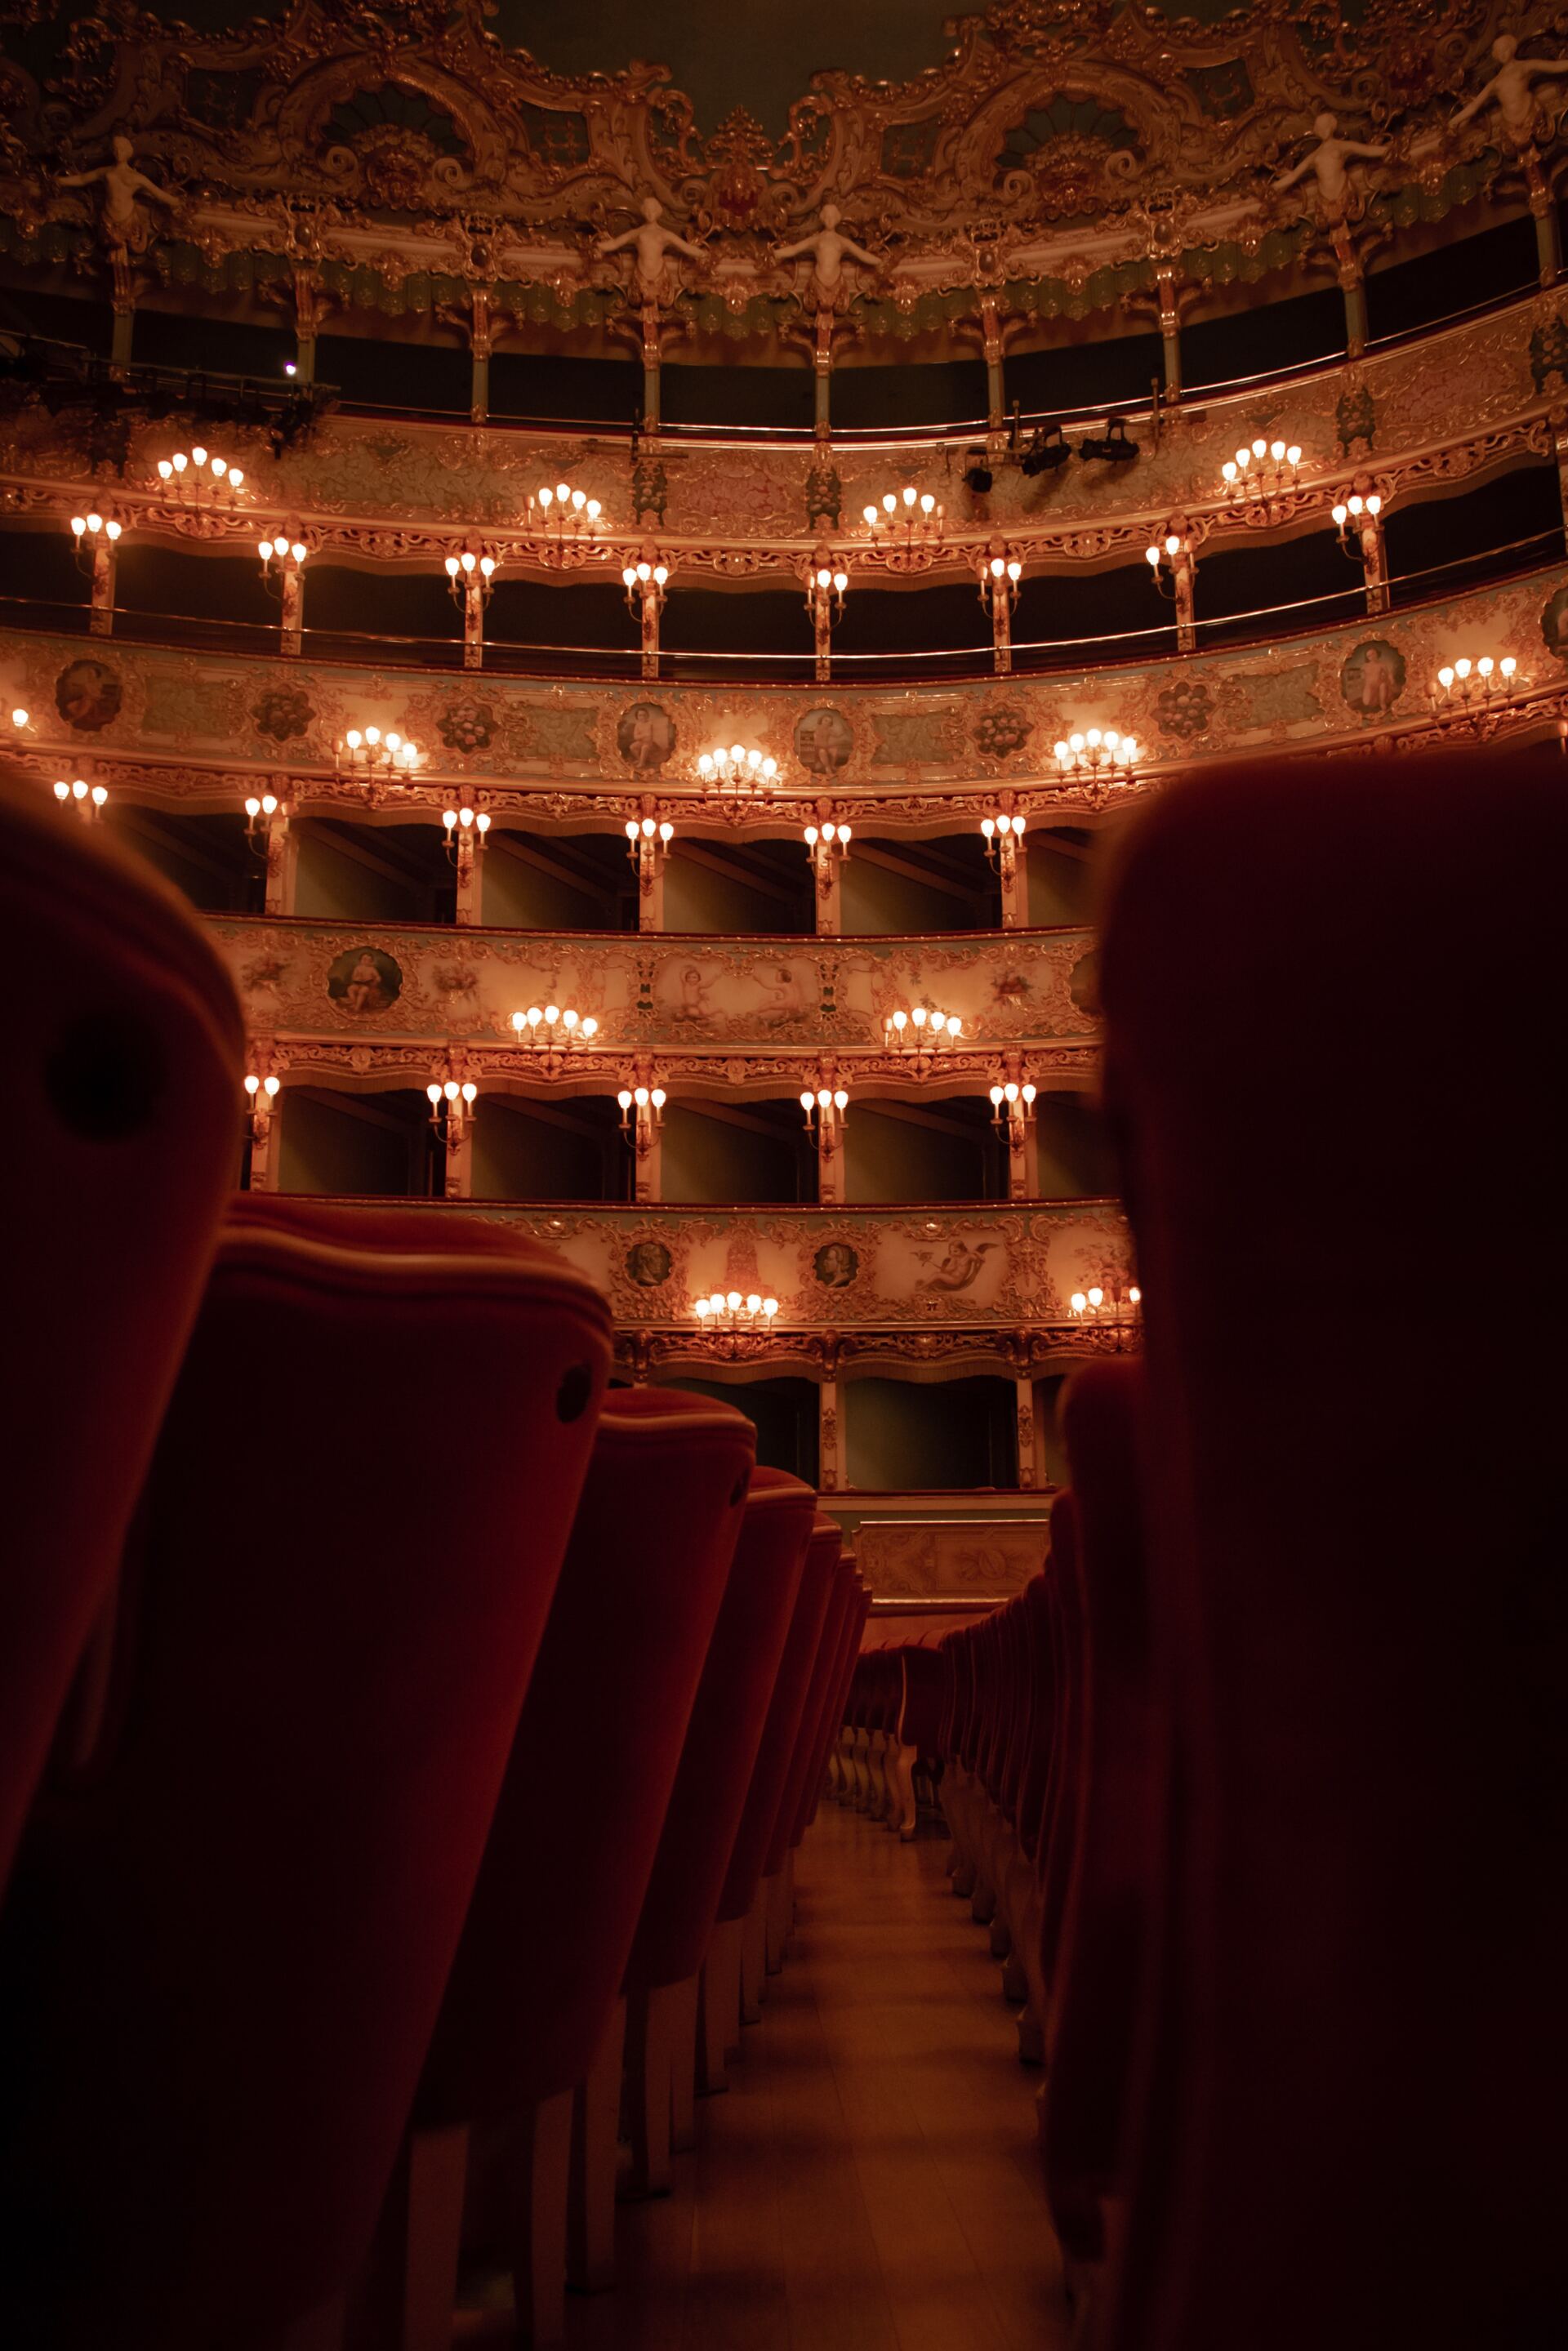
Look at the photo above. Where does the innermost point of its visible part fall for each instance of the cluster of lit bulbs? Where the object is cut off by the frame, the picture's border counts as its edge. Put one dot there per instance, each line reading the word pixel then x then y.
pixel 912 506
pixel 91 526
pixel 730 1306
pixel 1467 680
pixel 465 566
pixel 568 505
pixel 551 1017
pixel 369 747
pixel 924 1023
pixel 282 549
pixel 1096 750
pixel 736 766
pixel 1251 463
pixel 94 795
pixel 200 464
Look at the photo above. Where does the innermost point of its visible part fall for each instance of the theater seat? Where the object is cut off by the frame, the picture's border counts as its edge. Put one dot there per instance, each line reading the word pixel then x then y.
pixel 531 2027
pixel 121 1063
pixel 1335 1001
pixel 228 1938
pixel 712 1785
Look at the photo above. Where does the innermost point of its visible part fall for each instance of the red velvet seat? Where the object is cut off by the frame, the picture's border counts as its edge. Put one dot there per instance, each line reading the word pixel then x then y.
pixel 528 2013
pixel 121 1063
pixel 712 1785
pixel 1316 980
pixel 1112 1901
pixel 806 1763
pixel 228 1940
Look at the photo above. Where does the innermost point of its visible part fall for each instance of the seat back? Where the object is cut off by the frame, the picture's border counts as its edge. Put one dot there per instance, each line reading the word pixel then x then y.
pixel 776 1748
pixel 121 1062
pixel 1355 2090
pixel 572 1842
pixel 725 1731
pixel 227 1945
pixel 805 1759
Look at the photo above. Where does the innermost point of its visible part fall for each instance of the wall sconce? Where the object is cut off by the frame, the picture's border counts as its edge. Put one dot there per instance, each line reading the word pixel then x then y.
pixel 553 1033
pixel 825 1112
pixel 281 558
pixel 920 1032
pixel 98 530
pixel 1010 1105
pixel 201 478
pixel 1261 471
pixel 469 575
pixel 20 719
pixel 1003 835
pixel 647 843
pixel 367 753
pixel 88 800
pixel 1359 511
pixel 261 1095
pixel 729 1310
pixel 1117 1313
pixel 1467 685
pixel 466 831
pixel 259 812
pixel 737 770
pixel 826 585
pixel 1164 558
pixel 563 524
pixel 644 583
pixel 826 845
pixel 1100 751
pixel 905 529
pixel 451 1105
pixel 641 1116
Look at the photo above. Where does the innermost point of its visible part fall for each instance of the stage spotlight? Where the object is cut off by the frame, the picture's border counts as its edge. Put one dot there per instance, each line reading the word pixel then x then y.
pixel 1044 452
pixel 1112 447
pixel 977 474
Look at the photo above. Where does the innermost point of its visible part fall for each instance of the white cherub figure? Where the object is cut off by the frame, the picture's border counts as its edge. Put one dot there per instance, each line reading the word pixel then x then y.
pixel 1512 90
pixel 827 250
pixel 124 229
pixel 1327 161
pixel 654 273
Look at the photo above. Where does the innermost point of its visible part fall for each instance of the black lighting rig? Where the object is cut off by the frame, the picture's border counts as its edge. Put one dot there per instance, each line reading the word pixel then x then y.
pixel 65 377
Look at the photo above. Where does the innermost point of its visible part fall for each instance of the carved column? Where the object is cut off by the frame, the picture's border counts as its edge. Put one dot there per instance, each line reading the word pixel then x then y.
pixel 650 366
pixel 1023 1159
pixel 1353 289
pixel 100 616
pixel 472 622
pixel 460 1163
pixel 1548 235
pixel 823 366
pixel 1170 327
pixel 830 1169
pixel 828 898
pixel 1184 579
pixel 991 343
pixel 470 879
pixel 1015 888
pixel 651 894
pixel 282 855
pixel 291 621
pixel 1375 561
pixel 309 308
pixel 1558 420
pixel 1002 632
pixel 646 1183
pixel 653 602
pixel 262 1176
pixel 123 298
pixel 830 1462
pixel 480 340
pixel 1023 1390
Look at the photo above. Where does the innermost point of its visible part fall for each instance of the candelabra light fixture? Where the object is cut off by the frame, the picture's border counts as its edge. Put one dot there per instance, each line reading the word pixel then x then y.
pixel 1467 685
pixel 999 576
pixel 261 1094
pixel 464 837
pixel 825 1110
pixel 918 1029
pixel 1164 556
pixel 1108 1308
pixel 451 1107
pixel 1010 1105
pixel 281 558
pixel 1098 751
pixel 469 574
pixel 736 768
pixel 731 1310
pixel 563 523
pixel 378 757
pixel 552 1031
pixel 647 841
pixel 642 1111
pixel 1354 510
pixel 1002 835
pixel 827 844
pixel 906 528
pixel 1262 470
pixel 96 529
pixel 200 478
pixel 88 800
pixel 260 808
pixel 826 586
pixel 644 582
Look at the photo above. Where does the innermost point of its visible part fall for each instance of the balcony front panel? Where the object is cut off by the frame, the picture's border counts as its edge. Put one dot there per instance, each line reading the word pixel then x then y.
pixel 197 730
pixel 736 1012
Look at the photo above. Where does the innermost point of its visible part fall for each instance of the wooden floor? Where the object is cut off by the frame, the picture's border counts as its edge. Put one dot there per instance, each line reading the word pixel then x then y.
pixel 870 2182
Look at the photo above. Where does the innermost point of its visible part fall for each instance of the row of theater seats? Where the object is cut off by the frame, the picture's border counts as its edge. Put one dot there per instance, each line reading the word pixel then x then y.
pixel 1261 1787
pixel 403 1735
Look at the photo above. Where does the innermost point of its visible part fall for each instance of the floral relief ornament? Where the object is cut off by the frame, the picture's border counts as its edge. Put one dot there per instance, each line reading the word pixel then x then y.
pixel 999 732
pixel 467 724
pixel 281 713
pixel 1183 709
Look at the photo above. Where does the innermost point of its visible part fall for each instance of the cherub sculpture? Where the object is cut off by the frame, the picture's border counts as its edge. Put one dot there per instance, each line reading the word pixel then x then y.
pixel 828 249
pixel 1326 161
pixel 124 229
pixel 1512 91
pixel 653 274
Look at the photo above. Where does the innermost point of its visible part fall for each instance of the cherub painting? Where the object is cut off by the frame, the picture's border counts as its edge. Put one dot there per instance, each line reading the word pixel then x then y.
pixel 959 1268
